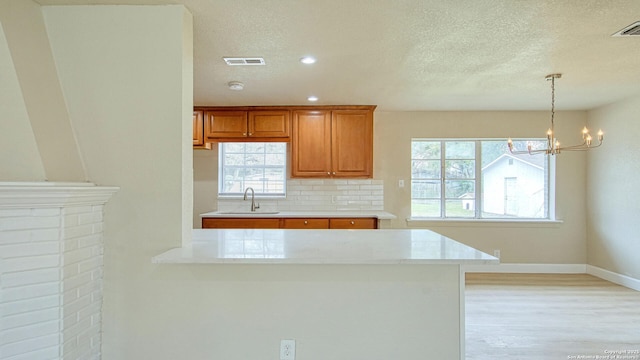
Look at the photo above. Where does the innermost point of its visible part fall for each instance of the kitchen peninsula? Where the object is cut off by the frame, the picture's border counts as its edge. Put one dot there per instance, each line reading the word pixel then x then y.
pixel 341 294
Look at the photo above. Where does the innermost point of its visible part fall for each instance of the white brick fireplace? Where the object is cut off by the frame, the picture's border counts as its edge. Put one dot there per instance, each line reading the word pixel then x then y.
pixel 51 270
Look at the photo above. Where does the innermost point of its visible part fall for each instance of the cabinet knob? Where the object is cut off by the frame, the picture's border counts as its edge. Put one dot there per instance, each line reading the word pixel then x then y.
pixel 334 173
pixel 353 223
pixel 306 222
pixel 244 134
pixel 328 173
pixel 250 134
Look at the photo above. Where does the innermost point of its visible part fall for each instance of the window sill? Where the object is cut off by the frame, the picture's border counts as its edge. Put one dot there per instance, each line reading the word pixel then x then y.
pixel 520 223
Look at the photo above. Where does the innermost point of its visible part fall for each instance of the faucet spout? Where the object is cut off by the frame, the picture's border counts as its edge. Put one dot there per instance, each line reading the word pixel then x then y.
pixel 254 206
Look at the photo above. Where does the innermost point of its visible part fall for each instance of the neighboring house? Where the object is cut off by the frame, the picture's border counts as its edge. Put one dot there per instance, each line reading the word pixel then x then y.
pixel 517 185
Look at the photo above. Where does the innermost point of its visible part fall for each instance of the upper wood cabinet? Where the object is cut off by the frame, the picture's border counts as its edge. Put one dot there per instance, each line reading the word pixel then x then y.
pixel 198 131
pixel 235 124
pixel 332 143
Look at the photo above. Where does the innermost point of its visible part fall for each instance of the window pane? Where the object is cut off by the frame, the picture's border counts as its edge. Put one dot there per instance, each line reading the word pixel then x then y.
pixel 459 208
pixel 460 150
pixel 261 166
pixel 514 186
pixel 460 169
pixel 425 208
pixel 425 169
pixel 423 189
pixel 459 188
pixel 425 149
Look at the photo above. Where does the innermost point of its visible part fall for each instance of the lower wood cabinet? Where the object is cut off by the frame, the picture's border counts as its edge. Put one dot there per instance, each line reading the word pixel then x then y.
pixel 289 223
pixel 305 223
pixel 240 223
pixel 353 223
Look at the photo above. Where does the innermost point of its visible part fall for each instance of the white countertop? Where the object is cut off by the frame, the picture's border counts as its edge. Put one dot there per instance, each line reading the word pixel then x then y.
pixel 284 246
pixel 381 215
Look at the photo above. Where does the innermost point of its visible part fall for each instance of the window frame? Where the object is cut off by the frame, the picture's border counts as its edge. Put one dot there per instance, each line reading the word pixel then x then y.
pixel 549 190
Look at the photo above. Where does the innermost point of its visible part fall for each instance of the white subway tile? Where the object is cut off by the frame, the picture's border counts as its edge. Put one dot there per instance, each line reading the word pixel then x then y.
pixel 76 329
pixel 77 255
pixel 16 236
pixel 29 345
pixel 52 352
pixel 45 234
pixel 359 182
pixel 78 209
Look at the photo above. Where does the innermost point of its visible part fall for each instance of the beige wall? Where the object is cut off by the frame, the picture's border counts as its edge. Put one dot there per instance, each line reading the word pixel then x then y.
pixel 613 190
pixel 562 243
pixel 126 75
pixel 41 100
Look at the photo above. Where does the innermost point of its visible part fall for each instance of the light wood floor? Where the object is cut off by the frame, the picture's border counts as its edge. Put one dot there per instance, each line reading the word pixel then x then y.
pixel 549 316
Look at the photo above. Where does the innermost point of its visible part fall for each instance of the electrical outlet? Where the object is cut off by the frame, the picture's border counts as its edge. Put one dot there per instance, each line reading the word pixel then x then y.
pixel 287 350
pixel 496 253
pixel 400 183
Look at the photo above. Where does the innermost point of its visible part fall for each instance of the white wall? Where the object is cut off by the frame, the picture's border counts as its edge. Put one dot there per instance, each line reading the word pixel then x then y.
pixel 613 190
pixel 38 97
pixel 16 137
pixel 126 76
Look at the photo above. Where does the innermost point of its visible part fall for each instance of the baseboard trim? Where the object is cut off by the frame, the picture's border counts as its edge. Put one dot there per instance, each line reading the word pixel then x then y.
pixel 528 268
pixel 619 279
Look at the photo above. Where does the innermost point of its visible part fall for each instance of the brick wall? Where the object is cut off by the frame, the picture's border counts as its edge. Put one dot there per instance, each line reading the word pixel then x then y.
pixel 51 271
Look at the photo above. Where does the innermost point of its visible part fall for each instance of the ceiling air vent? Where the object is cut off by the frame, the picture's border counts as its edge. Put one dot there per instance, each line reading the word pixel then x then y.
pixel 244 61
pixel 631 30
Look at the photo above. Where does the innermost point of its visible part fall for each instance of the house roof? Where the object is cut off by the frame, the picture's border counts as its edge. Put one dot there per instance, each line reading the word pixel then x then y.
pixel 531 160
pixel 412 55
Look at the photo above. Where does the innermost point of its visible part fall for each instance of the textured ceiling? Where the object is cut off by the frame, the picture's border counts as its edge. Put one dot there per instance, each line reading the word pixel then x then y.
pixel 413 54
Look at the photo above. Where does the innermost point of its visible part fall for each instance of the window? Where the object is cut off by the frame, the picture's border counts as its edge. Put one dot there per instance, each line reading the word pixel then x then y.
pixel 261 166
pixel 447 174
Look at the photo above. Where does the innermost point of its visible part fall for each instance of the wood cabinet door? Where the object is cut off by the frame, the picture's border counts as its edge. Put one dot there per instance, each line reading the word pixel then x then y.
pixel 353 223
pixel 269 124
pixel 225 124
pixel 314 223
pixel 311 143
pixel 352 143
pixel 240 223
pixel 198 131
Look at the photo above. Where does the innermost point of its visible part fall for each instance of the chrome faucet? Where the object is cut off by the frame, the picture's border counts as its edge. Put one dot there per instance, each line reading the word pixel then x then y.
pixel 254 206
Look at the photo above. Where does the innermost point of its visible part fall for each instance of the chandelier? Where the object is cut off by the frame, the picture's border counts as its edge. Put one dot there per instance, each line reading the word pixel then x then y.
pixel 553 145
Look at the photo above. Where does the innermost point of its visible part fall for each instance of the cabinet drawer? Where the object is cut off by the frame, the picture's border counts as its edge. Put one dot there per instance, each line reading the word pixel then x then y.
pixel 240 223
pixel 353 223
pixel 305 223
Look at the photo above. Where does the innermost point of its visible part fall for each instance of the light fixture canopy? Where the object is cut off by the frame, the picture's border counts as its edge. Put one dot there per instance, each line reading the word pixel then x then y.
pixel 312 98
pixel 235 85
pixel 553 144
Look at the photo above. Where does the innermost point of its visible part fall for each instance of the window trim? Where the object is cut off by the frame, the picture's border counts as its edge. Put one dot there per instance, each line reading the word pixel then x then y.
pixel 477 219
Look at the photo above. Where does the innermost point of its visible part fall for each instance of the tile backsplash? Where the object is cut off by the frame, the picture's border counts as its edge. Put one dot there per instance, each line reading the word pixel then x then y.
pixel 319 195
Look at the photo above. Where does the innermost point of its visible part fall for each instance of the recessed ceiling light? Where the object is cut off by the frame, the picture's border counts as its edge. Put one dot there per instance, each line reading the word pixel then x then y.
pixel 312 98
pixel 308 60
